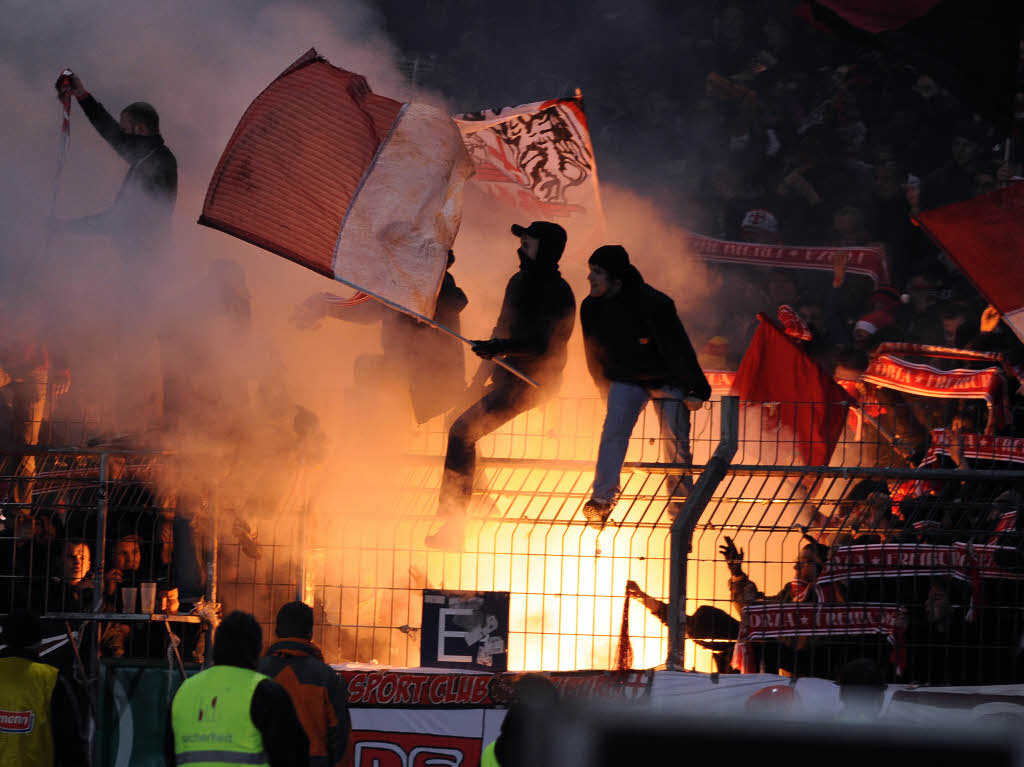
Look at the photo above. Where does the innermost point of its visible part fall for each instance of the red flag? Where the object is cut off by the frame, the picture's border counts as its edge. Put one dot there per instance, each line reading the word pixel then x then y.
pixel 809 403
pixel 348 183
pixel 985 236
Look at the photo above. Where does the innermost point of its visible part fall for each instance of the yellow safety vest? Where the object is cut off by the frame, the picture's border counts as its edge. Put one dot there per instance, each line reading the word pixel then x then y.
pixel 211 721
pixel 488 758
pixel 26 735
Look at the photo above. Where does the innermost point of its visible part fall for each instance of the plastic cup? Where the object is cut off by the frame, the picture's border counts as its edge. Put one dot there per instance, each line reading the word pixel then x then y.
pixel 129 595
pixel 148 596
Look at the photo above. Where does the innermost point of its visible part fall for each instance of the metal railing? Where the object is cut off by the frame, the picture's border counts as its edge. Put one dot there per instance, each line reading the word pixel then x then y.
pixel 359 556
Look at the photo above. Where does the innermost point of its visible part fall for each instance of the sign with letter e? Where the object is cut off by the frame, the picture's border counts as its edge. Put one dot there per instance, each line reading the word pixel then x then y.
pixel 465 629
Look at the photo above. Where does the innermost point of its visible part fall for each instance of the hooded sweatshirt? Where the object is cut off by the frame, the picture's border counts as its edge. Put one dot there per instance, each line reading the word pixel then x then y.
pixel 537 318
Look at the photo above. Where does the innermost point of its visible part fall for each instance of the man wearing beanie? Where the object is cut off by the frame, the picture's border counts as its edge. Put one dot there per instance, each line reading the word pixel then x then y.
pixel 637 350
pixel 40 720
pixel 533 328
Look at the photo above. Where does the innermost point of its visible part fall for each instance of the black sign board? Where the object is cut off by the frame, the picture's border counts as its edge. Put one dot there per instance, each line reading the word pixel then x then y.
pixel 465 629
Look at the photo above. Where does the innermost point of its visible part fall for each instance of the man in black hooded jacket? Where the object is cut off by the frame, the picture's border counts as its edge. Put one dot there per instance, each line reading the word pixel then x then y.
pixel 637 350
pixel 533 328
pixel 139 220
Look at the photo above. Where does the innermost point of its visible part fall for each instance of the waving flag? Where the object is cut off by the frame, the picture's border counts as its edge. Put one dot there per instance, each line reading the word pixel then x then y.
pixel 985 236
pixel 353 185
pixel 804 399
pixel 537 158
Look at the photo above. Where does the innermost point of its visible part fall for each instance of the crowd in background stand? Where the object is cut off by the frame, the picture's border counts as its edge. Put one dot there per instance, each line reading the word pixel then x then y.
pixel 746 124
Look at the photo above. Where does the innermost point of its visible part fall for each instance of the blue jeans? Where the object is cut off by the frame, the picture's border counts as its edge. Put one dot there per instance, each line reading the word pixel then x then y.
pixel 626 402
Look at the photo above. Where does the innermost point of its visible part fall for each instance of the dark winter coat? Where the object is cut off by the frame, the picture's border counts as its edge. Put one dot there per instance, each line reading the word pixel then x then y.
pixel 537 317
pixel 141 212
pixel 636 337
pixel 319 696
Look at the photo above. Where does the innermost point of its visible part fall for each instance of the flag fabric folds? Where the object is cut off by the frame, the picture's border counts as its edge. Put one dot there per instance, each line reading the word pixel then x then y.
pixel 353 185
pixel 985 236
pixel 537 158
pixel 811 405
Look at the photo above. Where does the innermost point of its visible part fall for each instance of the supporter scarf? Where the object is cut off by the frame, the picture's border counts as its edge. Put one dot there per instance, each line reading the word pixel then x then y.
pixel 866 261
pixel 777 620
pixel 989 384
pixel 978 447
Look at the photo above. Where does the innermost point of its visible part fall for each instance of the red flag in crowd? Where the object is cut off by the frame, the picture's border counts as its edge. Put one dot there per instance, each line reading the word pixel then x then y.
pixel 970 46
pixel 810 404
pixel 353 185
pixel 985 236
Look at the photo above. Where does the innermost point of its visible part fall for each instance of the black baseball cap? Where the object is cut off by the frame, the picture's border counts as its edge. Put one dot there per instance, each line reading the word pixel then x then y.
pixel 545 231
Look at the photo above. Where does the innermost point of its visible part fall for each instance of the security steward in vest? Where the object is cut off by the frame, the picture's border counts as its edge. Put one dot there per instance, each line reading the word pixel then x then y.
pixel 230 714
pixel 320 697
pixel 40 719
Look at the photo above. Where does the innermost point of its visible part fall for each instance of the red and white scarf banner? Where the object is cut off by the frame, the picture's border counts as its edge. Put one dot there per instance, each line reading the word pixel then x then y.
pixel 536 158
pixel 868 261
pixel 779 620
pixel 890 372
pixel 911 560
pixel 977 447
pixel 429 716
pixel 721 381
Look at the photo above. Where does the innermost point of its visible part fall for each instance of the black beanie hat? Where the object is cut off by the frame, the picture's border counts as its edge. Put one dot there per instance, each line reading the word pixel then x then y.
pixel 613 259
pixel 22 630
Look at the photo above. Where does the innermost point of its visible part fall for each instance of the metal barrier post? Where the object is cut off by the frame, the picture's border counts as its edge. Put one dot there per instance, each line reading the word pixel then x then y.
pixel 99 558
pixel 300 553
pixel 684 524
pixel 99 562
pixel 211 556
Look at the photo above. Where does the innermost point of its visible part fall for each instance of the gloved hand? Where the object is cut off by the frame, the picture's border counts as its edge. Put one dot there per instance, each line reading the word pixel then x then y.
pixel 733 556
pixel 488 349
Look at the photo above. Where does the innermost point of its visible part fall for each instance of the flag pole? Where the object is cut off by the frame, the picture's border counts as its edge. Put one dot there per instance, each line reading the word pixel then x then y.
pixel 64 99
pixel 437 326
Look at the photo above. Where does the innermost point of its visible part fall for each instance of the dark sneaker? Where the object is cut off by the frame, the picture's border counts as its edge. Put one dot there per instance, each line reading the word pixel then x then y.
pixel 597 512
pixel 451 537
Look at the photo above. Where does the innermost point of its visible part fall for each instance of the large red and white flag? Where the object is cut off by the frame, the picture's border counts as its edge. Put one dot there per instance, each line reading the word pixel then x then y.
pixel 538 159
pixel 355 186
pixel 803 398
pixel 985 236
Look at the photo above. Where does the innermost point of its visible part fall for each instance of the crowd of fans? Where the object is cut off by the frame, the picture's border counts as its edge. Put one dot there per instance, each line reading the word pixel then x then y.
pixel 767 131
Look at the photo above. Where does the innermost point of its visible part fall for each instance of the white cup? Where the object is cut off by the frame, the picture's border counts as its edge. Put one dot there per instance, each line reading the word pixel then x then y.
pixel 148 596
pixel 129 594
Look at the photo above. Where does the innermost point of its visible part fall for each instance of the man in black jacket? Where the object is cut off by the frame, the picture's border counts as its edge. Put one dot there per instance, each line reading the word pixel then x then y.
pixel 430 362
pixel 533 328
pixel 139 219
pixel 637 349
